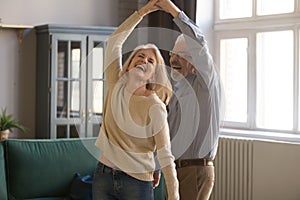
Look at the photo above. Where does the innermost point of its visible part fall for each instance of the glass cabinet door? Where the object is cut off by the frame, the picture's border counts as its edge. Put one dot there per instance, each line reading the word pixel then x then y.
pixel 68 83
pixel 96 84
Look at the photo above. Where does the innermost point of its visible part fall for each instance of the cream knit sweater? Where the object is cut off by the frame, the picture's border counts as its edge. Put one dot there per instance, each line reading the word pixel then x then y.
pixel 134 127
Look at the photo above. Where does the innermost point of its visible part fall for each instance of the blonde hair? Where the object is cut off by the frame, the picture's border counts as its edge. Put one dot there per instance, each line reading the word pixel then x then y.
pixel 160 84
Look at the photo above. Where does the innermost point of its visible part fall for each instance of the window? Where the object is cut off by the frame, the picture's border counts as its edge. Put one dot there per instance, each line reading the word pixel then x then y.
pixel 274 79
pixel 269 7
pixel 235 9
pixel 258 55
pixel 234 76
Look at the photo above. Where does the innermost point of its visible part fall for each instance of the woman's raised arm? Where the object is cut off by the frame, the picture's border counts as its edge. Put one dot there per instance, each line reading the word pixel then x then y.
pixel 113 58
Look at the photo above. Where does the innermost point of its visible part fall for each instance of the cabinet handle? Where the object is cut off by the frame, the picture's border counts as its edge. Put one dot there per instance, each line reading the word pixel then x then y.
pixel 90 116
pixel 83 116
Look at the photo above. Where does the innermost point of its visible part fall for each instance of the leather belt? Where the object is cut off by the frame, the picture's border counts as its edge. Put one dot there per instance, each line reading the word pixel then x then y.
pixel 193 162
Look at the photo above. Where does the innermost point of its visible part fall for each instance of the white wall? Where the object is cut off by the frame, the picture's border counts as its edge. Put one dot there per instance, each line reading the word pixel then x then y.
pixel 204 19
pixel 36 12
pixel 17 61
pixel 276 174
pixel 17 77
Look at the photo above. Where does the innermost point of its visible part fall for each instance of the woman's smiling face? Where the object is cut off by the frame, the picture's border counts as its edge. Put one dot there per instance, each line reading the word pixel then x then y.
pixel 143 64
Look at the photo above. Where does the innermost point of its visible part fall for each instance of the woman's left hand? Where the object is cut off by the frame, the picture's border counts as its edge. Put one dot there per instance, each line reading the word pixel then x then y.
pixel 148 8
pixel 156 178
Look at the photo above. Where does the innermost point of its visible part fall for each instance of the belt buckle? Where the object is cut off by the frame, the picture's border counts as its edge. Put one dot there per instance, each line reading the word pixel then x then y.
pixel 184 163
pixel 209 162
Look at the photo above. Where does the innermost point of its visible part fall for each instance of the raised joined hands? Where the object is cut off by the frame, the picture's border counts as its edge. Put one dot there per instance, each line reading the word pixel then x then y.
pixel 154 5
pixel 148 8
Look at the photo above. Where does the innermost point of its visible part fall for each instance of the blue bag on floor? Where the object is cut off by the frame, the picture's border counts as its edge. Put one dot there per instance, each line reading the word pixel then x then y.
pixel 81 187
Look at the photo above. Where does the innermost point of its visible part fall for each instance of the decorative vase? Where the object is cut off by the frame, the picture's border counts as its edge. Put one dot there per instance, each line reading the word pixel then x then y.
pixel 4 135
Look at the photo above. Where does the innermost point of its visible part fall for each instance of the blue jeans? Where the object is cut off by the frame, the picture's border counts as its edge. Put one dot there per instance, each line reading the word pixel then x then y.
pixel 110 184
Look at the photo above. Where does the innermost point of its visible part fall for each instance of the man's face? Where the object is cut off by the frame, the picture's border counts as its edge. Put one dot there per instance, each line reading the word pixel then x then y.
pixel 180 67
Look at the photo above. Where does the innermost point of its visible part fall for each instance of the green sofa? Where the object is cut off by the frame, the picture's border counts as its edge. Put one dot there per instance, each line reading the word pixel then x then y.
pixel 43 169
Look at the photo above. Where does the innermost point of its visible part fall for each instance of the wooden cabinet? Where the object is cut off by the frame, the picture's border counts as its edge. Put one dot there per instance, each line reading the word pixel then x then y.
pixel 70 80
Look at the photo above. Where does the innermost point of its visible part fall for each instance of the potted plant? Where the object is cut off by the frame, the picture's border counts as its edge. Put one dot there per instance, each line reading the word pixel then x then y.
pixel 7 123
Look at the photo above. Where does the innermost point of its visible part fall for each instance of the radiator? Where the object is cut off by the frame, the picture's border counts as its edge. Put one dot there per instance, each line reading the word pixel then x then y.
pixel 233 170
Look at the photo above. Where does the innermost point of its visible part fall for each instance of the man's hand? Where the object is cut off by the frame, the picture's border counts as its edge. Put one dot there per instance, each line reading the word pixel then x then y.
pixel 148 8
pixel 169 7
pixel 156 177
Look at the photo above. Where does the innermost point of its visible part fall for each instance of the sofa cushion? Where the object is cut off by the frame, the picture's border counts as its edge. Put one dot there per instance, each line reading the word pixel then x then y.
pixel 3 188
pixel 45 168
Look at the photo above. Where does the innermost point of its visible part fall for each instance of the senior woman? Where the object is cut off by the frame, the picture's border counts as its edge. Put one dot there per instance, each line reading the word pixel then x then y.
pixel 134 123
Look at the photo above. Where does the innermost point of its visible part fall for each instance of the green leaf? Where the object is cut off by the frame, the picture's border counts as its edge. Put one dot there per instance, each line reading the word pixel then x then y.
pixel 7 121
